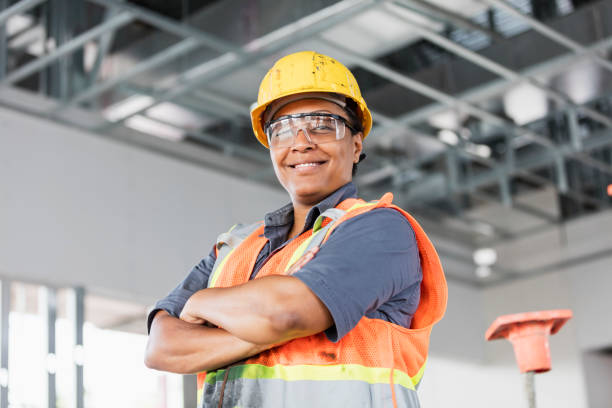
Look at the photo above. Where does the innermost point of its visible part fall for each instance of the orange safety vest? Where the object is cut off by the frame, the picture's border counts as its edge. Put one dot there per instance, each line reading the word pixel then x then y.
pixel 376 364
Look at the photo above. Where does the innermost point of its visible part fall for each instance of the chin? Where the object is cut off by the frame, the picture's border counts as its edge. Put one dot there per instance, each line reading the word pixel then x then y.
pixel 312 194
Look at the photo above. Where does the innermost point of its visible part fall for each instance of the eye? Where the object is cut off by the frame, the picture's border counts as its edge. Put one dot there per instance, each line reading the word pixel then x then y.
pixel 282 133
pixel 322 126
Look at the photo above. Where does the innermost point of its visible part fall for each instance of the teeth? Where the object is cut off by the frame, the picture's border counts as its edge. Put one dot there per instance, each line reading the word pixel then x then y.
pixel 306 165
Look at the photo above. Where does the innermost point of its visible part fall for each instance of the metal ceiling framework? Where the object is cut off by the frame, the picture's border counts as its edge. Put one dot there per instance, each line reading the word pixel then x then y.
pixel 445 184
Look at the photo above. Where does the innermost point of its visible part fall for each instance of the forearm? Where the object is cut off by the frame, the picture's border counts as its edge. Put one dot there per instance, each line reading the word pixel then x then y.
pixel 267 310
pixel 181 347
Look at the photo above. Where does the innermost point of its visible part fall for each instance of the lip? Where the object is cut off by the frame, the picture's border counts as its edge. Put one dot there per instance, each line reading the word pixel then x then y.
pixel 307 166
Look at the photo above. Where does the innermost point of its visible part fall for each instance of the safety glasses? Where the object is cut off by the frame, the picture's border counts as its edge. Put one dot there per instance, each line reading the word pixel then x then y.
pixel 318 128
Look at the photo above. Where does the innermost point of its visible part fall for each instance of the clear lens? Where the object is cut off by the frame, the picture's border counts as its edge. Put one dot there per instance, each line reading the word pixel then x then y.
pixel 318 129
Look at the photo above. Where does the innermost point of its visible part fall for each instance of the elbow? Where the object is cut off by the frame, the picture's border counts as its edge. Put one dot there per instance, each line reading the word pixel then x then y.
pixel 155 359
pixel 285 323
pixel 151 357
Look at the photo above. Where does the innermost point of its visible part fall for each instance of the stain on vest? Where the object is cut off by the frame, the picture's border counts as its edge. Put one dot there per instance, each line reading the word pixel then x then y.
pixel 327 356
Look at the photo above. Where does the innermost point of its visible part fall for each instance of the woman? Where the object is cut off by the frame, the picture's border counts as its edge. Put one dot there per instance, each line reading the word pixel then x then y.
pixel 331 299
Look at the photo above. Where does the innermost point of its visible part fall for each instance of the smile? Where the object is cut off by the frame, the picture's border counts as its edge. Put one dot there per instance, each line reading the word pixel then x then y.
pixel 306 165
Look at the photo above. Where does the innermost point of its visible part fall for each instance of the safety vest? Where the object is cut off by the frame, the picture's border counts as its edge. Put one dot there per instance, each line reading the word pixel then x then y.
pixel 376 364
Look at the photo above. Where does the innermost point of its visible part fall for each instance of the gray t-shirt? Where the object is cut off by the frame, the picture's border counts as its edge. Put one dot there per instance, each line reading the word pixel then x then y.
pixel 369 266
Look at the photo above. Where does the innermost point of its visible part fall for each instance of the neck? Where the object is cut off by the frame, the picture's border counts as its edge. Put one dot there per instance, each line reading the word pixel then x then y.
pixel 300 211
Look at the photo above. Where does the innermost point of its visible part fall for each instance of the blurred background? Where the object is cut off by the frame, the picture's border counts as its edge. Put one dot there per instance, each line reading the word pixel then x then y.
pixel 126 147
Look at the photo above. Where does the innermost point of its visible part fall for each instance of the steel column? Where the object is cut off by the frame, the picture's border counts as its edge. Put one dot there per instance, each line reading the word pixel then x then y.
pixel 104 45
pixel 70 46
pixel 5 307
pixel 190 391
pixel 49 306
pixel 79 321
pixel 3 43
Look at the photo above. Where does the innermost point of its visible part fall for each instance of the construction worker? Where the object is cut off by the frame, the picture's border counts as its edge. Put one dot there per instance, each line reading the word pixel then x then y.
pixel 330 300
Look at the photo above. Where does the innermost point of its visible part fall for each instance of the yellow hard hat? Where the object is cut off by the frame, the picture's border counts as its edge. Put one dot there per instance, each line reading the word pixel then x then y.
pixel 307 72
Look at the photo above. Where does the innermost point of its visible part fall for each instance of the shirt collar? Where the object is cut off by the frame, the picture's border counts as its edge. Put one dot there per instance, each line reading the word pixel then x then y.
pixel 283 217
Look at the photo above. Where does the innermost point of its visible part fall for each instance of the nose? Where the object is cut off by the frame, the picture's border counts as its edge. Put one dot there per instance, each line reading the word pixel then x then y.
pixel 302 141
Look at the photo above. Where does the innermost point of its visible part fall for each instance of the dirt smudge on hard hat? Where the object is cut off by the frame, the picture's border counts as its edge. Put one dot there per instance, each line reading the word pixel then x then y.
pixel 327 356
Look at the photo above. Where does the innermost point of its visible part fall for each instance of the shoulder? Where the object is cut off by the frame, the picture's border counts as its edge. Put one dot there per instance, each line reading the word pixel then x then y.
pixel 379 224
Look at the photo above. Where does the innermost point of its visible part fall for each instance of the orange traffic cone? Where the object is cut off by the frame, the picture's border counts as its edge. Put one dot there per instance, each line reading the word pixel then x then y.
pixel 528 333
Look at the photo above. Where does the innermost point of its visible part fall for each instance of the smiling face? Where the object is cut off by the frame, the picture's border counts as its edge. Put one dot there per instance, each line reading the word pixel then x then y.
pixel 310 172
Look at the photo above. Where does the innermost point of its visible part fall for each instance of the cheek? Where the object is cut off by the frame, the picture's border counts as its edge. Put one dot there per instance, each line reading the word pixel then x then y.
pixel 343 158
pixel 276 159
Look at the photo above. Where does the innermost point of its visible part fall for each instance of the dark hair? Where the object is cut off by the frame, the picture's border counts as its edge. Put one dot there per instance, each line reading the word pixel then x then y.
pixel 355 165
pixel 352 111
pixel 354 118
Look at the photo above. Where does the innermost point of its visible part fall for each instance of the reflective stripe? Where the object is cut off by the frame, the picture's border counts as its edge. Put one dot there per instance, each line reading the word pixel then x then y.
pixel 227 242
pixel 337 372
pixel 199 396
pixel 217 272
pixel 359 205
pixel 273 393
pixel 416 379
pixel 297 254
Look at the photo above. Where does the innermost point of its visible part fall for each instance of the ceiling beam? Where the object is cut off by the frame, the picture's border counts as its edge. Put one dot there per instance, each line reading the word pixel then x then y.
pixel 268 44
pixel 67 48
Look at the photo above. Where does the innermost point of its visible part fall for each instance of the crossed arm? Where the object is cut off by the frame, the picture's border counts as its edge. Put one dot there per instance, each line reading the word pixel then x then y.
pixel 250 318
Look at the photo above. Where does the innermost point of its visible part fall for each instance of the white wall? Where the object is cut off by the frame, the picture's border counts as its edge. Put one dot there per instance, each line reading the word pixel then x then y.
pixel 76 208
pixel 598 370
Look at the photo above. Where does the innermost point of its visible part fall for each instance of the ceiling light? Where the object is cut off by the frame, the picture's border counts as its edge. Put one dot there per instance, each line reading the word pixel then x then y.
pixel 479 150
pixel 485 256
pixel 483 272
pixel 90 53
pixel 153 127
pixel 127 107
pixel 448 136
pixel 444 120
pixel 17 23
pixel 525 103
pixel 582 82
pixel 173 114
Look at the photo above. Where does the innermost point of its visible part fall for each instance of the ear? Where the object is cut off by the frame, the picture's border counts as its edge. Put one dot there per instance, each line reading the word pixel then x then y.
pixel 357 146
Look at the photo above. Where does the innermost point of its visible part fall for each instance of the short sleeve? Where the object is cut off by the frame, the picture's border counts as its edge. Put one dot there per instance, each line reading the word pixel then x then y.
pixel 196 280
pixel 369 266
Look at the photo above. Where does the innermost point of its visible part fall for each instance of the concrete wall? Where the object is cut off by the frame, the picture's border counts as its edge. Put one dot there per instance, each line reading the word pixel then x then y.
pixel 598 375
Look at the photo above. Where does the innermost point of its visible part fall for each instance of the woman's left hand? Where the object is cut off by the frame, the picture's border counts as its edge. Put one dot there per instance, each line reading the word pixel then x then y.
pixel 190 312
